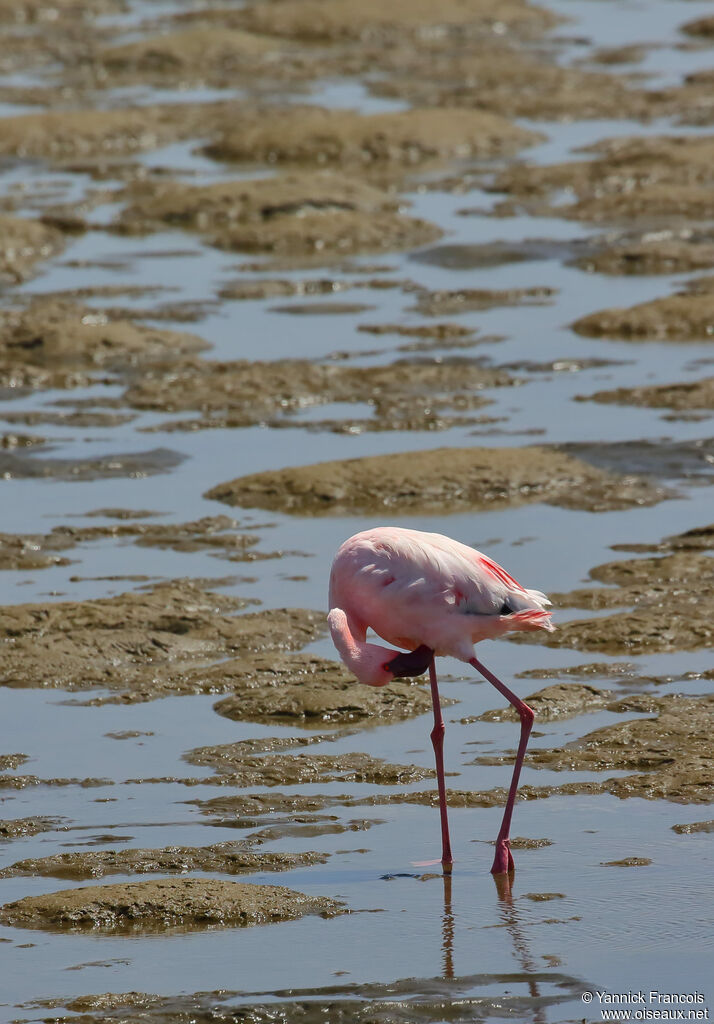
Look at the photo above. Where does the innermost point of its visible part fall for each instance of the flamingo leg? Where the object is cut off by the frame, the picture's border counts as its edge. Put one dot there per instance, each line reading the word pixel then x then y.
pixel 503 860
pixel 437 739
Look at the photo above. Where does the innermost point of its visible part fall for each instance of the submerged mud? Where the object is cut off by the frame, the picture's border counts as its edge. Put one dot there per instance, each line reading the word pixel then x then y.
pixel 432 481
pixel 186 903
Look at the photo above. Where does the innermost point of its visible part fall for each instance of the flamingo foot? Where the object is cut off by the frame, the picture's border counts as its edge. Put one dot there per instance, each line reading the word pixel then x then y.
pixel 503 861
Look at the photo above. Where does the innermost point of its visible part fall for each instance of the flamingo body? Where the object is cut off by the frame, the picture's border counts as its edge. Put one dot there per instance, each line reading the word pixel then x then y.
pixel 432 596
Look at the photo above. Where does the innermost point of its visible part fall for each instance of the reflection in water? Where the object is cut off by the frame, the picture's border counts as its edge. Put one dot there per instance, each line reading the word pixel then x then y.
pixel 512 921
pixel 447 930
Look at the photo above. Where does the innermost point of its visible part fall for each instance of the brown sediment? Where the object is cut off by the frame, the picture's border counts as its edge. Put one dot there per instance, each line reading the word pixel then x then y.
pixel 543 897
pixel 465 300
pixel 229 858
pixel 694 826
pixel 407 394
pixel 56 343
pixel 522 843
pixel 13 828
pixel 9 762
pixel 663 180
pixel 686 316
pixel 688 395
pixel 699 27
pixel 218 534
pixel 26 781
pixel 626 862
pixel 554 703
pixel 308 690
pixel 299 769
pixel 23 243
pixel 671 752
pixel 669 600
pixel 675 253
pixel 416 20
pixel 426 481
pixel 435 332
pixel 132 464
pixel 156 905
pixel 243 810
pixel 316 214
pixel 366 143
pixel 81 419
pixel 60 136
pixel 143 645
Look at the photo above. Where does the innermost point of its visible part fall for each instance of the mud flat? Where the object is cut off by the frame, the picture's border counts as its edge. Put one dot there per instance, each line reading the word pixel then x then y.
pixel 662 181
pixel 23 243
pixel 293 215
pixel 556 702
pixel 686 316
pixel 186 903
pixel 671 752
pixel 667 602
pixel 407 394
pixel 143 643
pixel 684 397
pixel 315 135
pixel 434 481
pixel 230 858
pixel 60 344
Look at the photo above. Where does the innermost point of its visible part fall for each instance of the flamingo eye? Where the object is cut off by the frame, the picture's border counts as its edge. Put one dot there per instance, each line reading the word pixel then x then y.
pixel 505 609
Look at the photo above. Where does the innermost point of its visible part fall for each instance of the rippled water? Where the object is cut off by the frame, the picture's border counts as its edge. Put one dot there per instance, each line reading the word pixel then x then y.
pixel 605 927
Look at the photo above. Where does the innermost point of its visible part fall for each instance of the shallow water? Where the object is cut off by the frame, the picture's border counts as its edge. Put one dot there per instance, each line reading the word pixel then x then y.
pixel 608 928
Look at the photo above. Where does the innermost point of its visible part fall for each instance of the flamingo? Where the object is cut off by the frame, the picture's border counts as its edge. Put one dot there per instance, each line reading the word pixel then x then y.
pixel 433 596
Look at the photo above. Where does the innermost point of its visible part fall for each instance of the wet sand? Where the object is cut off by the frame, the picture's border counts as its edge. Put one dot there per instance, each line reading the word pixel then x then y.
pixel 260 256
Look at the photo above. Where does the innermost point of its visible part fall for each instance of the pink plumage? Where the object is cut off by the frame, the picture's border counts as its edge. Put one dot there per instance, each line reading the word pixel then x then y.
pixel 432 596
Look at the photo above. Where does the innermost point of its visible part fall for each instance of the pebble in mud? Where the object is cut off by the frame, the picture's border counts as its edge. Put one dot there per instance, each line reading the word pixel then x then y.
pixel 296 215
pixel 229 858
pixel 185 903
pixel 435 480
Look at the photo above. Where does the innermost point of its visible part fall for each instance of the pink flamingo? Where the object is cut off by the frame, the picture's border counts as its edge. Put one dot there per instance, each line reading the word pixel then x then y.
pixel 431 595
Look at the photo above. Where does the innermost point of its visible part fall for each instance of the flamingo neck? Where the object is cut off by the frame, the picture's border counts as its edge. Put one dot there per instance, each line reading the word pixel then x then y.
pixel 366 661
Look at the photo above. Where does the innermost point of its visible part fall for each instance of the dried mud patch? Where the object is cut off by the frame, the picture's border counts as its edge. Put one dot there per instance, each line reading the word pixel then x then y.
pixel 656 252
pixel 15 828
pixel 671 752
pixel 318 215
pixel 144 645
pixel 408 394
pixel 229 858
pixel 430 481
pixel 155 906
